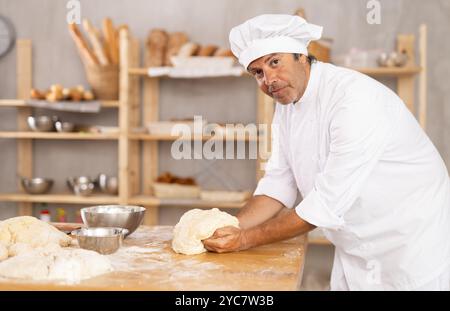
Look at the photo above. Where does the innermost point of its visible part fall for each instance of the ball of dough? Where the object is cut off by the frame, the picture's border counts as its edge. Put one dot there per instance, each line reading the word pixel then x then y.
pixel 32 231
pixel 197 225
pixel 19 248
pixel 3 252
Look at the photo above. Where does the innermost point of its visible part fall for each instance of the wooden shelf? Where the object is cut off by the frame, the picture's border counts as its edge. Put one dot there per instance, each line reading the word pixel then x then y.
pixel 150 200
pixel 144 72
pixel 22 103
pixel 58 198
pixel 138 71
pixel 60 136
pixel 371 71
pixel 105 199
pixel 389 71
pixel 168 137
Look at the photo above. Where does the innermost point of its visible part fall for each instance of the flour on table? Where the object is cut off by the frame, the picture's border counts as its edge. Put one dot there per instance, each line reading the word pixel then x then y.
pixel 51 263
pixel 197 225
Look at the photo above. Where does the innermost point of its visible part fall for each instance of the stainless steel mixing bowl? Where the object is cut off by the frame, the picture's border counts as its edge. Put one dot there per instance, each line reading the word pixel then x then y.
pixel 42 123
pixel 108 184
pixel 64 127
pixel 82 185
pixel 102 240
pixel 119 216
pixel 36 185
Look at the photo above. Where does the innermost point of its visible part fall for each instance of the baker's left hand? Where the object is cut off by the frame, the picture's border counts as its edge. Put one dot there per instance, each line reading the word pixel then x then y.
pixel 227 239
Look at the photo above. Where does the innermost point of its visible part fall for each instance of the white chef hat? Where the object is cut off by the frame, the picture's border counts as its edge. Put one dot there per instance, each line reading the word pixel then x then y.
pixel 272 33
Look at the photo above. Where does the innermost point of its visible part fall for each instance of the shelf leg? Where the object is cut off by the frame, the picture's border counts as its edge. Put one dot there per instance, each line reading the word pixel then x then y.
pixel 24 146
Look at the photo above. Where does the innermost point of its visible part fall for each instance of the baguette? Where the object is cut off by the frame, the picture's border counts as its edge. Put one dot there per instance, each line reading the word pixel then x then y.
pixel 111 40
pixel 83 48
pixel 95 42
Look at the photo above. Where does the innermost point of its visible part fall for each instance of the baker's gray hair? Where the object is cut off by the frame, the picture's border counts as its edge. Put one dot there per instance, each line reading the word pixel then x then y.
pixel 311 58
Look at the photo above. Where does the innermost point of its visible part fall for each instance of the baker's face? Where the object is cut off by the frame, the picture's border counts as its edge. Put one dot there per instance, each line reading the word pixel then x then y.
pixel 281 76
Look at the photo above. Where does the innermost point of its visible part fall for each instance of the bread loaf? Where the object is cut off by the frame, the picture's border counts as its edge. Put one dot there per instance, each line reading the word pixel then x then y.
pixel 36 94
pixel 188 49
pixel 176 41
pixel 224 53
pixel 156 48
pixel 207 50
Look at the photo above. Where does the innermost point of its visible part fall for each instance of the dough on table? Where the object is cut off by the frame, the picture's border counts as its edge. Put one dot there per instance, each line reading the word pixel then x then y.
pixel 3 252
pixel 32 231
pixel 55 263
pixel 196 225
pixel 36 253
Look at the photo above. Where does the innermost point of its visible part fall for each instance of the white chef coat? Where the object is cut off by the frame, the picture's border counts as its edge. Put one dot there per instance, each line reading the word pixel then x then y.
pixel 369 177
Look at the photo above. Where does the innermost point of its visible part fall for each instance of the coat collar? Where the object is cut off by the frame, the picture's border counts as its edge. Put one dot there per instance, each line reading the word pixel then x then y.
pixel 312 87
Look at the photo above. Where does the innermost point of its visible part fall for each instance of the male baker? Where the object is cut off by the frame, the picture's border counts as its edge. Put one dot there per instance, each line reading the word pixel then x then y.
pixel 368 174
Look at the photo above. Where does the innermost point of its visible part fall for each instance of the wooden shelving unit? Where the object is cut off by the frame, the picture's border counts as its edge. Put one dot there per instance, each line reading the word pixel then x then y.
pixel 58 198
pixel 150 142
pixel 60 136
pixel 135 175
pixel 159 137
pixel 22 103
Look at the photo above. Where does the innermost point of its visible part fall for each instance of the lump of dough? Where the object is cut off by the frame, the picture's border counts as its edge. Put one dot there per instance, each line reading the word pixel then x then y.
pixel 3 252
pixel 32 231
pixel 19 248
pixel 55 263
pixel 197 225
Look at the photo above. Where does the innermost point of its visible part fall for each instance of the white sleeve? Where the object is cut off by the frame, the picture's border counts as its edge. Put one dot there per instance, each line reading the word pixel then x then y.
pixel 359 132
pixel 278 181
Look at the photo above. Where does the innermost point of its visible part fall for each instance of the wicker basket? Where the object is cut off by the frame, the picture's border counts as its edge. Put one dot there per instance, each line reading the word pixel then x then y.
pixel 104 81
pixel 175 191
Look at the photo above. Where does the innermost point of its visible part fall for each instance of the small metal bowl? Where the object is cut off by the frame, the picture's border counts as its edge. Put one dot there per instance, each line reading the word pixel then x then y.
pixel 36 185
pixel 102 240
pixel 41 123
pixel 64 127
pixel 82 185
pixel 108 184
pixel 121 216
pixel 383 60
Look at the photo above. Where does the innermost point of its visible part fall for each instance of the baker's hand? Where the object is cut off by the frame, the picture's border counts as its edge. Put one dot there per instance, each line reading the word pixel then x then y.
pixel 227 239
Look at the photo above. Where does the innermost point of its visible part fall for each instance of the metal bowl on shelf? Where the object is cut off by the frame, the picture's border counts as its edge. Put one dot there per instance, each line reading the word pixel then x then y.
pixel 64 127
pixel 36 185
pixel 392 59
pixel 119 216
pixel 108 184
pixel 102 240
pixel 42 123
pixel 82 185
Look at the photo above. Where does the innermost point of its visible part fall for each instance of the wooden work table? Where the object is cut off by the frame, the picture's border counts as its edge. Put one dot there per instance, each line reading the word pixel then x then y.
pixel 146 262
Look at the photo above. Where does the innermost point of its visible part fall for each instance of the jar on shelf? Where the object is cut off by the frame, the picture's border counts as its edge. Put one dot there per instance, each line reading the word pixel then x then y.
pixel 45 215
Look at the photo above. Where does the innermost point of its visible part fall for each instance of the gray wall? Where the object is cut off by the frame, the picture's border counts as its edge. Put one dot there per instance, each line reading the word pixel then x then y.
pixel 55 60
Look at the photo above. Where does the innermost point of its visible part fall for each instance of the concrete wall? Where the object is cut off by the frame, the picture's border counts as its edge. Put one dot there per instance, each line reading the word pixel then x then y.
pixel 55 60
